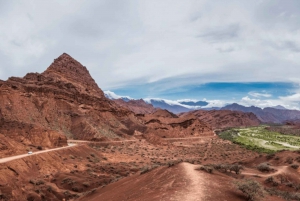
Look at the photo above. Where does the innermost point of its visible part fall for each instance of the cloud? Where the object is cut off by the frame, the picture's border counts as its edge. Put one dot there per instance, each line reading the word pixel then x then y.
pixel 170 44
pixel 256 94
pixel 112 95
pixel 218 34
pixel 289 102
pixel 292 98
pixel 215 103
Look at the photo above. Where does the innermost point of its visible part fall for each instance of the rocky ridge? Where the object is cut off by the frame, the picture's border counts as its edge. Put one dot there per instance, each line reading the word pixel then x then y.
pixel 62 102
pixel 220 119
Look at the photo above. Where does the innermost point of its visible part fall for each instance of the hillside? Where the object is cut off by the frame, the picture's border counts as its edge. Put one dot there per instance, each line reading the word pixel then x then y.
pixel 219 119
pixel 62 102
pixel 165 124
pixel 268 115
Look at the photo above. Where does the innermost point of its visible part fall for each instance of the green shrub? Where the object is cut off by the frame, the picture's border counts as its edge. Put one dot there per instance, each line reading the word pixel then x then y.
pixel 207 168
pixel 251 188
pixel 295 166
pixel 263 167
pixel 269 180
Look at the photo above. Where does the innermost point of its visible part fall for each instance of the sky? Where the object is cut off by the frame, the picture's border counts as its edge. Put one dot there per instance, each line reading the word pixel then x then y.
pixel 220 51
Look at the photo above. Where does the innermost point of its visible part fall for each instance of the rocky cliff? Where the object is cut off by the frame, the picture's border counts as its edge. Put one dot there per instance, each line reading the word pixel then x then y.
pixel 62 102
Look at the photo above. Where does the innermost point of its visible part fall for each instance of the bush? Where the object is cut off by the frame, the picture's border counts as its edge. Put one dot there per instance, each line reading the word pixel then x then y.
pixel 270 156
pixel 276 158
pixel 148 168
pixel 207 168
pixel 252 189
pixel 236 168
pixel 295 166
pixel 284 194
pixel 263 167
pixel 269 180
pixel 289 160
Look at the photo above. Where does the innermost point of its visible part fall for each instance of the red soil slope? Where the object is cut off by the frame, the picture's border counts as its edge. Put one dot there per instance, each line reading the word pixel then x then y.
pixel 181 182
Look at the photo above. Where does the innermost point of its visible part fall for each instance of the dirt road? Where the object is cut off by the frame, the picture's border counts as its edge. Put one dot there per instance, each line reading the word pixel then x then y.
pixel 84 141
pixel 7 159
pixel 189 138
pixel 280 170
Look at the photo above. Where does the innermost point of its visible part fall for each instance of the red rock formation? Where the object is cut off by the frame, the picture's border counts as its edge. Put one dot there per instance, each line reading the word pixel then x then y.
pixel 168 125
pixel 219 119
pixel 137 106
pixel 41 109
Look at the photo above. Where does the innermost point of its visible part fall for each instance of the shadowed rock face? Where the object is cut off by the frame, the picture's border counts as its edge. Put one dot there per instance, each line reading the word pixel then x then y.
pixel 62 102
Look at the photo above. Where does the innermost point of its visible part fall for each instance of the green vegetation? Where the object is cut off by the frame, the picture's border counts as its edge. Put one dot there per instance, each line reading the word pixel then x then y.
pixel 251 188
pixel 261 139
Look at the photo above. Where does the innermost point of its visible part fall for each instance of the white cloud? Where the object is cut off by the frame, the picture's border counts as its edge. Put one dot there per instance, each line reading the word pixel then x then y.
pixel 289 102
pixel 257 95
pixel 169 102
pixel 148 41
pixel 112 95
pixel 215 103
pixel 291 98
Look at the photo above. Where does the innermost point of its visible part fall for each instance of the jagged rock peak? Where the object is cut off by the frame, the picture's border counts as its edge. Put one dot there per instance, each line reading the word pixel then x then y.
pixel 68 69
pixel 66 64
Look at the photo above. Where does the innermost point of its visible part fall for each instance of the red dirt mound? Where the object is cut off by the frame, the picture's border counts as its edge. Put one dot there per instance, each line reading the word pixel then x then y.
pixel 180 182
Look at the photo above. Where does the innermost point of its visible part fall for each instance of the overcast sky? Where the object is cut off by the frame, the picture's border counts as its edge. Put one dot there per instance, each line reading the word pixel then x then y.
pixel 151 47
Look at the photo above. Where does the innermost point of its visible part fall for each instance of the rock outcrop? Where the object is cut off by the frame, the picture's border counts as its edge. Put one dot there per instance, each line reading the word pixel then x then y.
pixel 168 125
pixel 62 102
pixel 219 119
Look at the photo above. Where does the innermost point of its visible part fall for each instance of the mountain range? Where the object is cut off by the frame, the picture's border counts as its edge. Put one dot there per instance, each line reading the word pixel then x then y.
pixel 276 114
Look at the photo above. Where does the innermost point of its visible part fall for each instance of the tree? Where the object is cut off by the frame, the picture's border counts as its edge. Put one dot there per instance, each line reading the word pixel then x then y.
pixel 251 188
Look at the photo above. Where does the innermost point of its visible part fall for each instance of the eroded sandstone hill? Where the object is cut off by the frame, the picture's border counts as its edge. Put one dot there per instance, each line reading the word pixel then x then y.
pixel 219 119
pixel 168 125
pixel 62 102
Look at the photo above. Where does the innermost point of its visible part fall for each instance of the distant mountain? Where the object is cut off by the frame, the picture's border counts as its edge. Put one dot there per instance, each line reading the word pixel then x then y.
pixel 279 107
pixel 192 103
pixel 269 114
pixel 276 114
pixel 171 106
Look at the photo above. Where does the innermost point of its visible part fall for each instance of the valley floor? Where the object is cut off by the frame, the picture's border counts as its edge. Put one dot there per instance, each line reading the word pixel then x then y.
pixel 137 170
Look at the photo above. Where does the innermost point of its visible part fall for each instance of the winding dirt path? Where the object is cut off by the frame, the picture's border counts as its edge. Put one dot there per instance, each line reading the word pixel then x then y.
pixel 104 142
pixel 7 159
pixel 188 138
pixel 196 183
pixel 280 170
